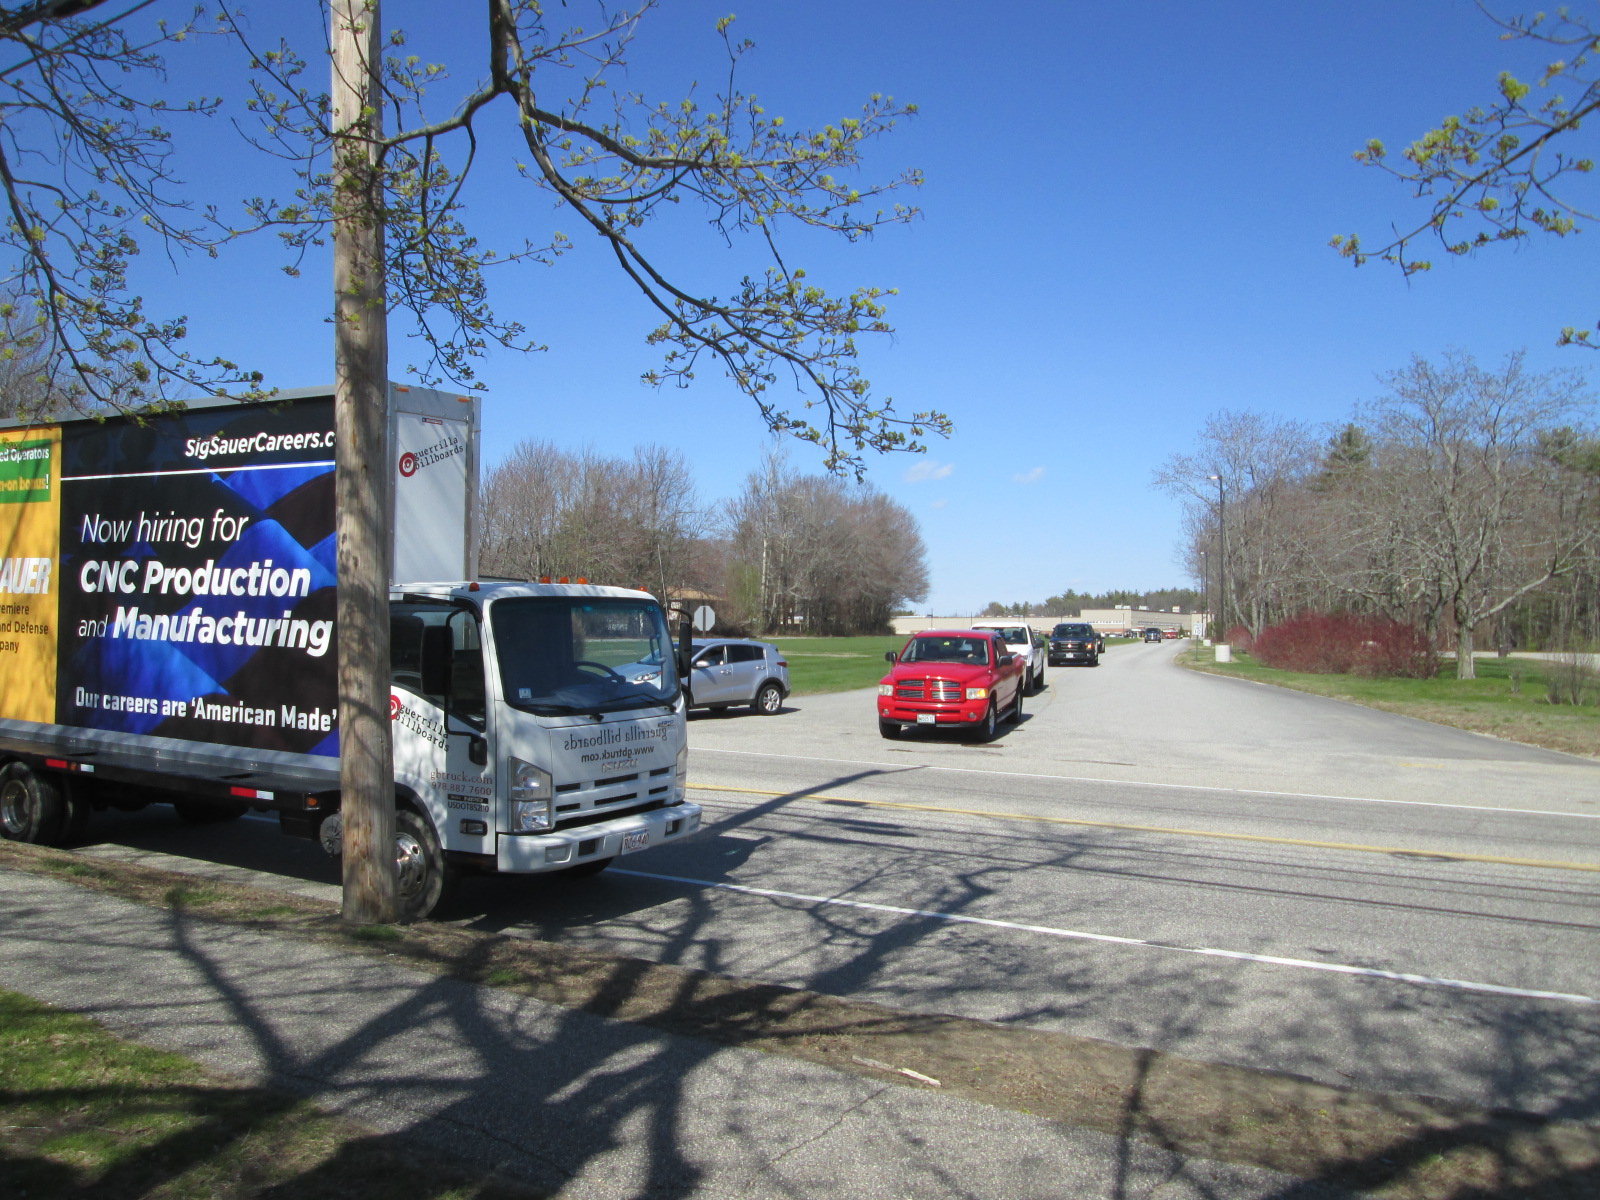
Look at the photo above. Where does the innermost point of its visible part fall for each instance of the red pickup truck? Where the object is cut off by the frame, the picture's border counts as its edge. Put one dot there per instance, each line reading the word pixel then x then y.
pixel 962 677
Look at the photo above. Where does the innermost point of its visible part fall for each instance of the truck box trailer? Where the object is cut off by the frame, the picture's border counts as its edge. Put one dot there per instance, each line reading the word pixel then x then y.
pixel 167 634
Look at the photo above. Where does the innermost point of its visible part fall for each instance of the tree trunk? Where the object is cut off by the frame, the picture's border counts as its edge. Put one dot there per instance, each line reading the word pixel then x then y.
pixel 366 754
pixel 1466 665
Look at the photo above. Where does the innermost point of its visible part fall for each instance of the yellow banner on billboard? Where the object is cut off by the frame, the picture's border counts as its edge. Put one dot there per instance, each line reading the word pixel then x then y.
pixel 30 557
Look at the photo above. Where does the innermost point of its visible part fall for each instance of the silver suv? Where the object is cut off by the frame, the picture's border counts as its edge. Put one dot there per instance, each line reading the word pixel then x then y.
pixel 724 672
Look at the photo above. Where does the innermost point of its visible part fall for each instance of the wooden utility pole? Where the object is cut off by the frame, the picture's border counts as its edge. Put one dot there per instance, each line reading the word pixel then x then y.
pixel 361 368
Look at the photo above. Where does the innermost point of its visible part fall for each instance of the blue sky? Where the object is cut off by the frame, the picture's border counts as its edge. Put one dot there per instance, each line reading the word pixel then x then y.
pixel 1124 229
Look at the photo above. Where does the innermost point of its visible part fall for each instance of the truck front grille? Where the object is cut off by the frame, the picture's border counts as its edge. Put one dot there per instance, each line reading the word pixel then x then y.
pixel 939 690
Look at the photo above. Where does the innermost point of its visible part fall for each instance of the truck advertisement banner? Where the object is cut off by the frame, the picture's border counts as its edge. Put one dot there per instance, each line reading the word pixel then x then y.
pixel 30 471
pixel 195 577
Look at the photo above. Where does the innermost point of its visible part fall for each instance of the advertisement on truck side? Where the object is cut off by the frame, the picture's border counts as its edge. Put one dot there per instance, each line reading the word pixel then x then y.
pixel 189 588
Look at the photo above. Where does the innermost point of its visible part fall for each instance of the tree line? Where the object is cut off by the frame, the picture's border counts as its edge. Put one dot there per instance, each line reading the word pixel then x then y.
pixel 792 553
pixel 1070 603
pixel 1465 500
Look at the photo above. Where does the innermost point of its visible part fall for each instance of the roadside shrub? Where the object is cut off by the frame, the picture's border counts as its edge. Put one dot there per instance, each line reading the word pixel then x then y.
pixel 1390 647
pixel 1346 644
pixel 1240 639
pixel 1571 678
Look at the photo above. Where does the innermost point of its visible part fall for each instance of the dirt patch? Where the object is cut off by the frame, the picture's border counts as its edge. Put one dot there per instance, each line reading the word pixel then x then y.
pixel 1403 1147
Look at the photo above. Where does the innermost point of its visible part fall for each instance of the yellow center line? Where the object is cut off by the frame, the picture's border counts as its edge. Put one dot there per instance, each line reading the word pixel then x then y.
pixel 1448 855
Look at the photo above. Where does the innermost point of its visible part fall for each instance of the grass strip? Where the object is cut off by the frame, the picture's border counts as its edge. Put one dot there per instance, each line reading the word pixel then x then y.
pixel 1507 700
pixel 1404 1147
pixel 85 1113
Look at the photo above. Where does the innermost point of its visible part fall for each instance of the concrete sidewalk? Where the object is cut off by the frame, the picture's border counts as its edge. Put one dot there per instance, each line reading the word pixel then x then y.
pixel 577 1104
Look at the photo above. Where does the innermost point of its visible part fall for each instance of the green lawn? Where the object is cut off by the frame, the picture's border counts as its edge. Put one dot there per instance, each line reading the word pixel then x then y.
pixel 1507 699
pixel 836 664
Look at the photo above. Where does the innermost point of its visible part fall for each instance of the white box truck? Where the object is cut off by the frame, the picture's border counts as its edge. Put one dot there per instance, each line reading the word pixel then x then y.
pixel 167 634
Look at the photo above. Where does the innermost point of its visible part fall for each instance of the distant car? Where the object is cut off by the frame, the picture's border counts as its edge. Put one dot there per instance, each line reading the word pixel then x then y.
pixel 1076 641
pixel 1152 634
pixel 724 672
pixel 1022 641
pixel 1172 634
pixel 952 677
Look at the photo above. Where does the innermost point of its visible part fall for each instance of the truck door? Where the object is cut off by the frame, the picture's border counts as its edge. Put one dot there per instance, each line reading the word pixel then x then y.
pixel 441 714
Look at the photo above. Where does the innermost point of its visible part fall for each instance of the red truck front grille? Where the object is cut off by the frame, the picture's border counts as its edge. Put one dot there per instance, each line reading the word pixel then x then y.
pixel 928 689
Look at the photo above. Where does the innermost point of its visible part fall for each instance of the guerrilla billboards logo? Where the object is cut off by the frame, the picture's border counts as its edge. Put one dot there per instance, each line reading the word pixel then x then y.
pixel 620 753
pixel 429 729
pixel 412 462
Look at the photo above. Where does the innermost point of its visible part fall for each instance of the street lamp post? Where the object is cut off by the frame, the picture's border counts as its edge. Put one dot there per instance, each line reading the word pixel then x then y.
pixel 1205 590
pixel 1222 567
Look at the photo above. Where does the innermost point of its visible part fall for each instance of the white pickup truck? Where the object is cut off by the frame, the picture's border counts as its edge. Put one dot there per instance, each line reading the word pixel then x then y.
pixel 1027 646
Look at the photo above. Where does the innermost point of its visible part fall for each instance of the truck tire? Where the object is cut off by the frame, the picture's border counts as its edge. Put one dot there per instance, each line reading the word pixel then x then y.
pixel 424 878
pixel 1016 708
pixel 990 727
pixel 892 730
pixel 206 812
pixel 768 701
pixel 33 807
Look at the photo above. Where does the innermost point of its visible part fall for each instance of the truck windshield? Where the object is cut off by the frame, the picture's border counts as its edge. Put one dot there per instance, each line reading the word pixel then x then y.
pixel 582 654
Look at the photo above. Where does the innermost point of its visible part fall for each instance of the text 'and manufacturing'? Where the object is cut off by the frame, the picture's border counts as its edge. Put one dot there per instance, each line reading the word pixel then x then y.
pixel 284 632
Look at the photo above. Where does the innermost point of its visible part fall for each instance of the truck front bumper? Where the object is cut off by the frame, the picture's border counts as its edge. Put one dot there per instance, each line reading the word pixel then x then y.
pixel 529 853
pixel 968 712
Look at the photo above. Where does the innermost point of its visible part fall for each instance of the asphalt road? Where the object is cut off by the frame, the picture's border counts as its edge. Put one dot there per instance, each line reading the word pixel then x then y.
pixel 1153 857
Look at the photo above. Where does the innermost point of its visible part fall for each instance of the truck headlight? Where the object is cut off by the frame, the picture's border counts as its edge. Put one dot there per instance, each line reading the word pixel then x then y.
pixel 531 793
pixel 886 689
pixel 977 693
pixel 682 790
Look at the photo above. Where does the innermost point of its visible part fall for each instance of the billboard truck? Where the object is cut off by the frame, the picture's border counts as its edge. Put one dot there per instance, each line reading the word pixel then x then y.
pixel 167 634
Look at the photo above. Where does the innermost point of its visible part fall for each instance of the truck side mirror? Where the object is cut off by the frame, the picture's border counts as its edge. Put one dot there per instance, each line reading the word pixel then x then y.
pixel 685 650
pixel 1007 659
pixel 888 656
pixel 438 651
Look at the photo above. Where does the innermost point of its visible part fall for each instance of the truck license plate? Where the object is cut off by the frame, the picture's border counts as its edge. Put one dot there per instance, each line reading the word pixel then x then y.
pixel 926 718
pixel 635 841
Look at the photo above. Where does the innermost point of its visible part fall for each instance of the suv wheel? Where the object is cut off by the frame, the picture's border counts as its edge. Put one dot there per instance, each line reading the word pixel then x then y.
pixel 769 700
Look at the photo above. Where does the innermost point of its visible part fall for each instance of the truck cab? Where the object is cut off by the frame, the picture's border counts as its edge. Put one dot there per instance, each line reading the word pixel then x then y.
pixel 540 727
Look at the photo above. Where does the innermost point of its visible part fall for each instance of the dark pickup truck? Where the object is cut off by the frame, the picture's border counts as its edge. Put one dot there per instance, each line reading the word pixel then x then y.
pixel 1075 641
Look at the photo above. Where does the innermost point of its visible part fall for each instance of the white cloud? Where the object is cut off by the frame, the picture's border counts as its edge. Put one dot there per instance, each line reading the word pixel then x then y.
pixel 928 468
pixel 1028 477
pixel 938 504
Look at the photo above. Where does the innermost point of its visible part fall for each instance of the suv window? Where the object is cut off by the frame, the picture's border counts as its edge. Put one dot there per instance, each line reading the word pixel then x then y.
pixel 745 653
pixel 713 657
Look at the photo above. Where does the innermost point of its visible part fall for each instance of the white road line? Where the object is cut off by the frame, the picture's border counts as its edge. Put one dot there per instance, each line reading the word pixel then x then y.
pixel 902 768
pixel 1460 985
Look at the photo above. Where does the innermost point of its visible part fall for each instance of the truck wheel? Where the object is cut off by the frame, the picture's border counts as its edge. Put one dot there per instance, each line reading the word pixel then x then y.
pixel 769 700
pixel 32 807
pixel 204 812
pixel 1041 678
pixel 584 870
pixel 1016 709
pixel 424 877
pixel 892 730
pixel 991 724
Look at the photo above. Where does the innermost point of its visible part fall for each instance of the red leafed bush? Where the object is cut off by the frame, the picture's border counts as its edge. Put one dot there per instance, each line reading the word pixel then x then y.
pixel 1395 648
pixel 1240 639
pixel 1345 644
